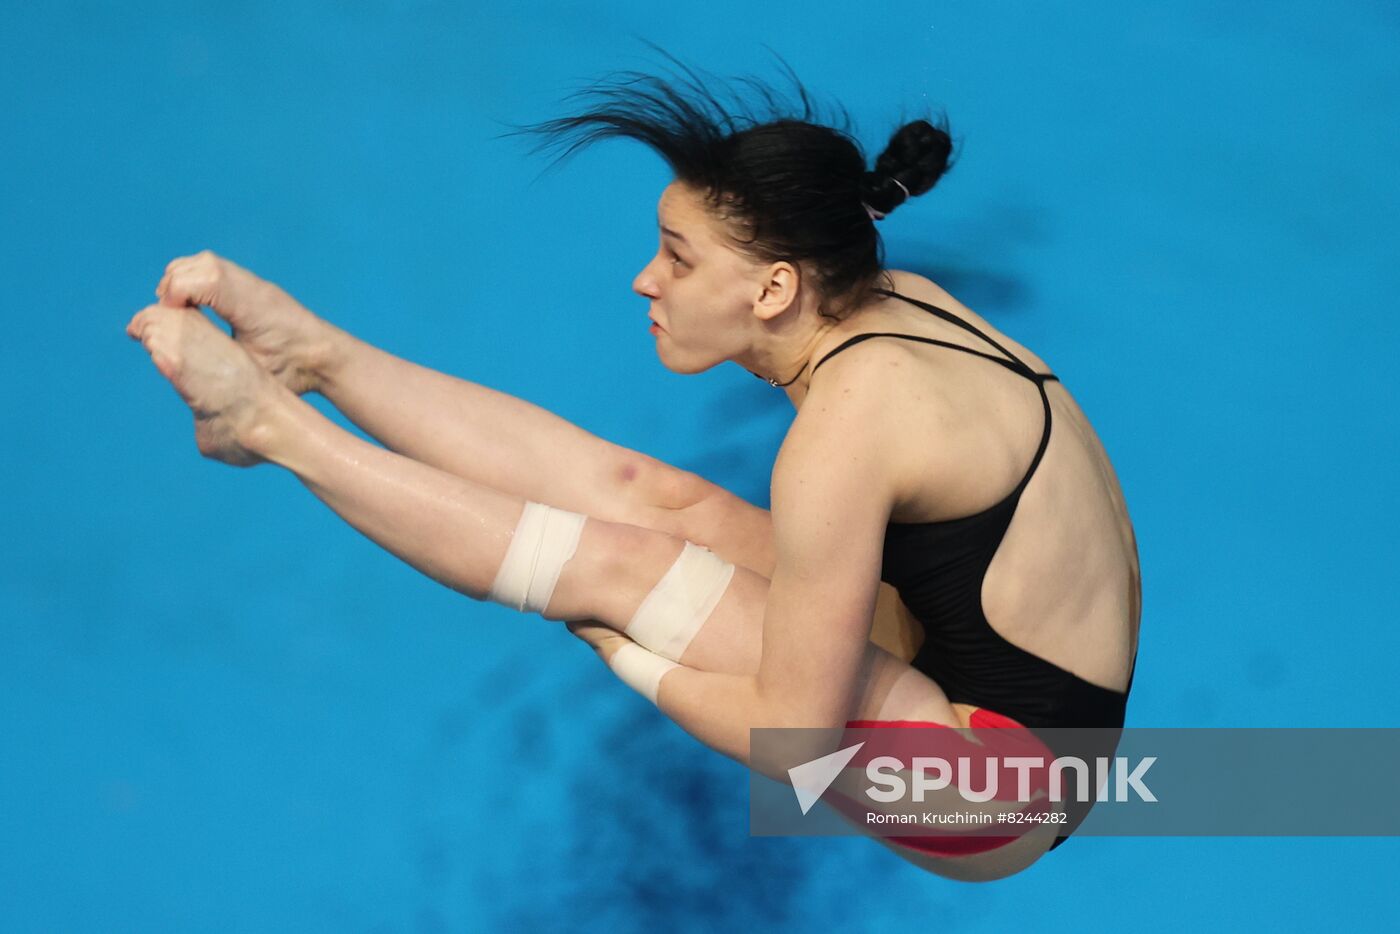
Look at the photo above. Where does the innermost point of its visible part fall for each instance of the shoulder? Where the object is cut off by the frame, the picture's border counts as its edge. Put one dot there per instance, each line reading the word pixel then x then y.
pixel 856 356
pixel 884 398
pixel 854 381
pixel 853 421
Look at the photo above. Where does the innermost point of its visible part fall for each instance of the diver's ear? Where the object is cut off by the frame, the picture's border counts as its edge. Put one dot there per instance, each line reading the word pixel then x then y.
pixel 777 291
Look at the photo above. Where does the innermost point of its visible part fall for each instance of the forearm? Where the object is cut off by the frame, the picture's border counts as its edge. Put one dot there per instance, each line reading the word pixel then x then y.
pixel 720 709
pixel 477 432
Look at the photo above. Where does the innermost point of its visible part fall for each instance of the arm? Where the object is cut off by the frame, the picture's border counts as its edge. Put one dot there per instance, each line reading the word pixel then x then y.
pixel 833 488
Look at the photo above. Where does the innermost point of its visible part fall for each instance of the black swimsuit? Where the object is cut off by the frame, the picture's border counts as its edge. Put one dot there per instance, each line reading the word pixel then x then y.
pixel 938 568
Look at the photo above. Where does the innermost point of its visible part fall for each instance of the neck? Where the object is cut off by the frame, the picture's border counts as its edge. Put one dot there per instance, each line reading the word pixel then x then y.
pixel 785 349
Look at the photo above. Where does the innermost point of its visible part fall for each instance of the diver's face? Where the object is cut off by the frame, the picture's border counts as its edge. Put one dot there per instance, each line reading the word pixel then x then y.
pixel 701 290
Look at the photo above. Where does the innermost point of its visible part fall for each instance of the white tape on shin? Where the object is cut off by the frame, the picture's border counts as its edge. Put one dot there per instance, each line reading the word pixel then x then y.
pixel 544 541
pixel 682 600
pixel 640 670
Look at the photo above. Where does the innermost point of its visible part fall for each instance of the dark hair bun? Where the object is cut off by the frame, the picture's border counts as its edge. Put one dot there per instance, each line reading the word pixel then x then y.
pixel 916 158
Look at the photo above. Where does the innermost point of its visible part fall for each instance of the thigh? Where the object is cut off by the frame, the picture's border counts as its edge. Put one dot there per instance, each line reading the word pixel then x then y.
pixel 617 565
pixel 890 689
pixel 742 534
pixel 731 640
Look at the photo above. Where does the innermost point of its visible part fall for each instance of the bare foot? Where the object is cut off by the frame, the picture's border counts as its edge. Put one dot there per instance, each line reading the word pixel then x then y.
pixel 224 387
pixel 286 339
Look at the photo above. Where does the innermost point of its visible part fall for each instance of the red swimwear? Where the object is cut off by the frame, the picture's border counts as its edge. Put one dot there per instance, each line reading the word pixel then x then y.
pixel 995 736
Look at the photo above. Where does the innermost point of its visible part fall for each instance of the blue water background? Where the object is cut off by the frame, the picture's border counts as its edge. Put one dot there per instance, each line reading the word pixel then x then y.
pixel 222 710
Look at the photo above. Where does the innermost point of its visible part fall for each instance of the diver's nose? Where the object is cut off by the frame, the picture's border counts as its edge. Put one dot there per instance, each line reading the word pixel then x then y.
pixel 645 283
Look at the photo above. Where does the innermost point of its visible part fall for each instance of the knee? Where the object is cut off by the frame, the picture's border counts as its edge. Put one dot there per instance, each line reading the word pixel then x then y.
pixel 648 482
pixel 687 506
pixel 628 561
pixel 565 565
pixel 663 588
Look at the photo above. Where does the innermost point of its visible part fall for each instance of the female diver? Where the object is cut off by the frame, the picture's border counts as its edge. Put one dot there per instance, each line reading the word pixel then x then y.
pixel 928 451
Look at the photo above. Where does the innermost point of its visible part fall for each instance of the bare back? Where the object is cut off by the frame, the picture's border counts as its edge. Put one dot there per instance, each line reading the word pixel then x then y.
pixel 1064 583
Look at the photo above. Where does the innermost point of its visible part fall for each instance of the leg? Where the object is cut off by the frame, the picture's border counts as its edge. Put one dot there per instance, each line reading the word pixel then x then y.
pixel 511 445
pixel 478 433
pixel 729 641
pixel 460 532
pixel 498 440
pixel 742 534
pixel 457 426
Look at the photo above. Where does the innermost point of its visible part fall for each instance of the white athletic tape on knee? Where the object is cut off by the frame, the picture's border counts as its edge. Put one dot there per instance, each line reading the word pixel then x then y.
pixel 545 539
pixel 682 600
pixel 640 670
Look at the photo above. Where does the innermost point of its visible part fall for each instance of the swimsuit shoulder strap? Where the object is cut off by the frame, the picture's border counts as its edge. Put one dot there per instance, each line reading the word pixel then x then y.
pixel 970 328
pixel 1010 361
